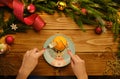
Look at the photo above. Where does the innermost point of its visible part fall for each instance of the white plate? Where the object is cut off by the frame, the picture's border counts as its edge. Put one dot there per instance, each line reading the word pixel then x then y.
pixel 55 59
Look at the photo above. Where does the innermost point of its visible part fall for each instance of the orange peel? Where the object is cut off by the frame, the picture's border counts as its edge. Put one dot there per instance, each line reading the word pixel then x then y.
pixel 61 43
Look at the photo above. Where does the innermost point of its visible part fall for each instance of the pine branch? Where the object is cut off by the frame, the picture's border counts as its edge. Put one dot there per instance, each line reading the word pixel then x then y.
pixel 6 31
pixel 1 17
pixel 79 22
pixel 88 20
pixel 116 30
pixel 70 13
pixel 98 11
pixel 75 8
pixel 39 1
pixel 96 14
pixel 23 28
pixel 45 9
pixel 52 5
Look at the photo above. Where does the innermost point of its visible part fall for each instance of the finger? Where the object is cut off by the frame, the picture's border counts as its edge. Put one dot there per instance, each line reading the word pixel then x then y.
pixel 72 63
pixel 38 54
pixel 70 53
pixel 72 56
pixel 78 58
pixel 27 53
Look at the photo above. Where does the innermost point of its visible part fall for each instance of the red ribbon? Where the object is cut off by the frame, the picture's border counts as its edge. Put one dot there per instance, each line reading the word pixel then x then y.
pixel 6 2
pixel 18 9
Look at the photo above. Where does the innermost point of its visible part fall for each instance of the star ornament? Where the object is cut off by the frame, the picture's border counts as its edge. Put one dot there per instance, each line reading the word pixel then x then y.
pixel 14 26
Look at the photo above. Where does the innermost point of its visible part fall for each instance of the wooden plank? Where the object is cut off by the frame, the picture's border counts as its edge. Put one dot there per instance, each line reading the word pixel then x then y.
pixel 95 64
pixel 84 41
pixel 57 21
pixel 94 49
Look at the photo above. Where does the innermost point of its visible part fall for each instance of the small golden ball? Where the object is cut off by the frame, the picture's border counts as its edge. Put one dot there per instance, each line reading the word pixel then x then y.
pixel 61 5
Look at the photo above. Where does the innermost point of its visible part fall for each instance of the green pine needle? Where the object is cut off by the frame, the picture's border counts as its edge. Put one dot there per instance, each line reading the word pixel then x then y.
pixel 45 9
pixel 79 22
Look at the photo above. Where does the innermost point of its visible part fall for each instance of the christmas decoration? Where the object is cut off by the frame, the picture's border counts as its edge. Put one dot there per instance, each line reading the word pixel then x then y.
pixel 9 40
pixel 14 27
pixel 84 11
pixel 3 48
pixel 103 13
pixel 81 11
pixel 23 14
pixel 61 5
pixel 18 11
pixel 31 8
pixel 98 30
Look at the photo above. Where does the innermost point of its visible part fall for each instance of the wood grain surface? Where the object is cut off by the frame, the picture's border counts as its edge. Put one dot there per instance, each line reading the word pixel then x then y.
pixel 96 50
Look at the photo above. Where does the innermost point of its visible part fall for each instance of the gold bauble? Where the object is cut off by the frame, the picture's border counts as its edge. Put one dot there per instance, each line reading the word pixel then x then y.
pixel 3 48
pixel 61 5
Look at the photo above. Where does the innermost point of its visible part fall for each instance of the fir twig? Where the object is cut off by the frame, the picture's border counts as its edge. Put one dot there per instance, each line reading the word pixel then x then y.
pixel 1 18
pixel 45 9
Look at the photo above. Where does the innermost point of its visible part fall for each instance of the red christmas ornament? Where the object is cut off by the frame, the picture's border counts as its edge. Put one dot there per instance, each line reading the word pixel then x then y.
pixel 9 40
pixel 84 11
pixel 31 8
pixel 98 30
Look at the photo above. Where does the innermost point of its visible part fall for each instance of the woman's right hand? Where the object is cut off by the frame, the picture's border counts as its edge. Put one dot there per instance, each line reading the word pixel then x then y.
pixel 78 66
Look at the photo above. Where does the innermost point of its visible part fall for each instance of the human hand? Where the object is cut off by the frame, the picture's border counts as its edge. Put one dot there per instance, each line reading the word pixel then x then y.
pixel 78 66
pixel 30 60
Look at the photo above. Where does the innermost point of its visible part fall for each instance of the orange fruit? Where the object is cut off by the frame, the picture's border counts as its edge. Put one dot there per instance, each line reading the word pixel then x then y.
pixel 61 43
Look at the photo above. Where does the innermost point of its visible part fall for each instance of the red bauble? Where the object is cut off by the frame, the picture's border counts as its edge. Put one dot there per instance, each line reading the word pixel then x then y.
pixel 98 30
pixel 84 11
pixel 31 8
pixel 9 40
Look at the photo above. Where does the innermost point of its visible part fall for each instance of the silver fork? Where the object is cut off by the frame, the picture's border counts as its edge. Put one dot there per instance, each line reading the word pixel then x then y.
pixel 52 45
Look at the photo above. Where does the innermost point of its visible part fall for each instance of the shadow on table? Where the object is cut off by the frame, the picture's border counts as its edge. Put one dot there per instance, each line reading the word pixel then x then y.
pixel 62 77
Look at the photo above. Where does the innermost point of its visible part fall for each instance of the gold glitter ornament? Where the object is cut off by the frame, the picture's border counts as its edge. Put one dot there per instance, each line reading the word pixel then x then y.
pixel 61 5
pixel 3 48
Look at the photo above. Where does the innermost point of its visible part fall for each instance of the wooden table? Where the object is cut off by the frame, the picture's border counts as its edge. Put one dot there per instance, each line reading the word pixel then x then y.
pixel 89 46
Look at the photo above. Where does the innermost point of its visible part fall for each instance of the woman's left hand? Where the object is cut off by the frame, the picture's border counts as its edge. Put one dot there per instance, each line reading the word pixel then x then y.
pixel 30 61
